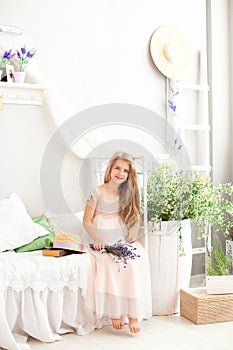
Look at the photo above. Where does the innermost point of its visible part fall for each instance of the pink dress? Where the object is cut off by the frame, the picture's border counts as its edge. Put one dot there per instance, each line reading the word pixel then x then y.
pixel 127 292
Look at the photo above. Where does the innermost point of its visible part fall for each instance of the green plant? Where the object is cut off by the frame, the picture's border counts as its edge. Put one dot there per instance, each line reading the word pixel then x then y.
pixel 190 195
pixel 219 263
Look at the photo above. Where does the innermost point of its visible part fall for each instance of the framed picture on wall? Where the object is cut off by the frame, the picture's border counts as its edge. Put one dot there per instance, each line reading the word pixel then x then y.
pixel 10 73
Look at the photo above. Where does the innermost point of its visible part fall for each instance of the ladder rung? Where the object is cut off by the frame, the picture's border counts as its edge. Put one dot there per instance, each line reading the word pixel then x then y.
pixel 199 250
pixel 204 168
pixel 205 127
pixel 192 86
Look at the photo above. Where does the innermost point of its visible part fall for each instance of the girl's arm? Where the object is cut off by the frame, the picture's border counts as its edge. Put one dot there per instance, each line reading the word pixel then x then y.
pixel 132 234
pixel 90 228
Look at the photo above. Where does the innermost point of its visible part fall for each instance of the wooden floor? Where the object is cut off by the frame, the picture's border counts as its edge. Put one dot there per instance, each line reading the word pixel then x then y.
pixel 159 332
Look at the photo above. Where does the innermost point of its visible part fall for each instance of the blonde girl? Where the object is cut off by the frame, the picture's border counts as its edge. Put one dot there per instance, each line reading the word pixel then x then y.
pixel 112 213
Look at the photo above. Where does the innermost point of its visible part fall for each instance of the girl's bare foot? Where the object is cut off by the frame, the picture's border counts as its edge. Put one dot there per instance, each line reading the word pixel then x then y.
pixel 134 325
pixel 118 323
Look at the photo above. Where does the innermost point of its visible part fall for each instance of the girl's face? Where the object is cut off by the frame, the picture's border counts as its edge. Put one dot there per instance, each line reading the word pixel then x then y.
pixel 120 171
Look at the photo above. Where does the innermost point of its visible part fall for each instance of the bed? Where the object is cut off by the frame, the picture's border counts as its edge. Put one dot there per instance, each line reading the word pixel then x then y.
pixel 40 296
pixel 44 297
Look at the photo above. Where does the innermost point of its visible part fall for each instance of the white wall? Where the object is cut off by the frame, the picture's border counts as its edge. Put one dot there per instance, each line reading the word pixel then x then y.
pixel 231 80
pixel 97 51
pixel 91 52
pixel 220 17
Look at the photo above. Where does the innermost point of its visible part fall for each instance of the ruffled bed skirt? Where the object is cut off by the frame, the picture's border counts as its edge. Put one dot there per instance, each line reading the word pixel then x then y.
pixel 44 297
pixel 43 315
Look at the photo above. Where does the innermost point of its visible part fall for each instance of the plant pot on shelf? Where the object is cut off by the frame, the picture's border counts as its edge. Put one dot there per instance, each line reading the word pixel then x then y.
pixel 170 256
pixel 229 249
pixel 219 279
pixel 219 284
pixel 19 77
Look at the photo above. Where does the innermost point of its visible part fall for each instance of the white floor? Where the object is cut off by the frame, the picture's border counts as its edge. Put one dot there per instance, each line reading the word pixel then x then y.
pixel 159 332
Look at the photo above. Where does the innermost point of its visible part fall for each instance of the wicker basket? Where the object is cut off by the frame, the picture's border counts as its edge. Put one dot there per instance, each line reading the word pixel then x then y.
pixel 202 308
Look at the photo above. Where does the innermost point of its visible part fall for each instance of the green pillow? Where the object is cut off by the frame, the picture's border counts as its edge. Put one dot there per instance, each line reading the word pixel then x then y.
pixel 42 242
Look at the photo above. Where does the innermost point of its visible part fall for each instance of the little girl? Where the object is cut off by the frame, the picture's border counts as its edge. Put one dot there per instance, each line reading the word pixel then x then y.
pixel 112 213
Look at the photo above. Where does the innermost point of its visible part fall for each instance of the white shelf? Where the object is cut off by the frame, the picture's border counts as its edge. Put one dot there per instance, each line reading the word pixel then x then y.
pixel 22 93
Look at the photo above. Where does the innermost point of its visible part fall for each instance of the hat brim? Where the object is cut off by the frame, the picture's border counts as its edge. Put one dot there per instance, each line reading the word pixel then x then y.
pixel 169 35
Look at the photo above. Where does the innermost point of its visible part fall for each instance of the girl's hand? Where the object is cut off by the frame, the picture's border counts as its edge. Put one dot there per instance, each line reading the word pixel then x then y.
pixel 129 238
pixel 98 244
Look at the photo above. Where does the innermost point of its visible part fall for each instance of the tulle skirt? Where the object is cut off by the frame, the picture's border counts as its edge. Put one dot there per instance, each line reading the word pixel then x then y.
pixel 120 291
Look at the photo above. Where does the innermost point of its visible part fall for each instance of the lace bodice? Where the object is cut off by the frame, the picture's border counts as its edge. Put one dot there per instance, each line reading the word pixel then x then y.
pixel 101 204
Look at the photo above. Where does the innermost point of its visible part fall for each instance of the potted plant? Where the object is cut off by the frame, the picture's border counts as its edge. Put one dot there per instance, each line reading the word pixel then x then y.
pixel 174 199
pixel 188 195
pixel 23 57
pixel 5 59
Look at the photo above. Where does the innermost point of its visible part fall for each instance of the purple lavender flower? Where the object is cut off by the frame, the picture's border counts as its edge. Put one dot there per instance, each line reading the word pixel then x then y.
pixel 23 50
pixel 174 93
pixel 122 252
pixel 177 147
pixel 30 54
pixel 171 105
pixel 8 55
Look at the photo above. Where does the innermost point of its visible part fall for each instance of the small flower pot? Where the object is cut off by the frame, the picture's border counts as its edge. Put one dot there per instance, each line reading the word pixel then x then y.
pixel 219 284
pixel 229 248
pixel 19 77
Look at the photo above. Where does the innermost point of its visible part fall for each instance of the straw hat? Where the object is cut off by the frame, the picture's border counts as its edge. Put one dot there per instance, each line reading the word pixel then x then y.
pixel 171 52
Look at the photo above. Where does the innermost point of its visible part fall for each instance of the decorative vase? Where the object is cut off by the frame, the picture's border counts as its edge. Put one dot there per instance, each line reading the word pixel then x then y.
pixel 170 256
pixel 19 77
pixel 229 248
pixel 219 284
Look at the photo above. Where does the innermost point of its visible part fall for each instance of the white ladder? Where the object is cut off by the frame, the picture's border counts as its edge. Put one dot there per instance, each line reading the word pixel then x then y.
pixel 178 93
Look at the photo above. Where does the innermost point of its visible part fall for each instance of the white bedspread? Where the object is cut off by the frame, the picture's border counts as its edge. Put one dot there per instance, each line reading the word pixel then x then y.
pixel 44 297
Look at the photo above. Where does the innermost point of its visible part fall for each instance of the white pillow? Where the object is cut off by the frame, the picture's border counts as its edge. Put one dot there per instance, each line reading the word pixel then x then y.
pixel 66 222
pixel 16 226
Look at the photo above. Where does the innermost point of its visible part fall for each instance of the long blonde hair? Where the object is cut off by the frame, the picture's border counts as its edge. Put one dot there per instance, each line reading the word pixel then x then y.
pixel 128 191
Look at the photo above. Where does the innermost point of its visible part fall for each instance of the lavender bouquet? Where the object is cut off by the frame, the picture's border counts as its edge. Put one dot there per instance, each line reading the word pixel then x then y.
pixel 121 252
pixel 24 56
pixel 5 58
